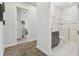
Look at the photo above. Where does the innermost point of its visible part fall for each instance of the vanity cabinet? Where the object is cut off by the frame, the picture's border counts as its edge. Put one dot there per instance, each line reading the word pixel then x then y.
pixel 54 39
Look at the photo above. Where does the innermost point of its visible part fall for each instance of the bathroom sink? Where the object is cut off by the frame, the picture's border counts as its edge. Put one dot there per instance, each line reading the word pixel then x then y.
pixel 54 30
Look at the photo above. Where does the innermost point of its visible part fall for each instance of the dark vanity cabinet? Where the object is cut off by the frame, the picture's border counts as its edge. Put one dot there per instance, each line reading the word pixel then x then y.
pixel 54 39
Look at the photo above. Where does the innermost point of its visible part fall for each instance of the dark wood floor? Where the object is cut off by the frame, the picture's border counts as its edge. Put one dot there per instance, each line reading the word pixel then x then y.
pixel 24 49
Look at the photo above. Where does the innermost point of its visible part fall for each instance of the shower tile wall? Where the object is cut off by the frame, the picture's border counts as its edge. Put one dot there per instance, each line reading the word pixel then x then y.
pixel 74 32
pixel 70 23
pixel 56 18
pixel 19 24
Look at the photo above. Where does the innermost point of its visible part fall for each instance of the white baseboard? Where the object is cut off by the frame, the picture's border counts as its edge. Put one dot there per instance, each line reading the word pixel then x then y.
pixel 2 52
pixel 9 45
pixel 43 50
pixel 13 44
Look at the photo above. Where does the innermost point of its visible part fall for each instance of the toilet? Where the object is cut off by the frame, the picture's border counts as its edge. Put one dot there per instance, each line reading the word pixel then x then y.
pixel 60 37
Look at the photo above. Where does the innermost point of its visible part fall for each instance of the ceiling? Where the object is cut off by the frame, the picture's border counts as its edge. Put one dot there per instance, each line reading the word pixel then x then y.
pixel 65 4
pixel 31 3
pixel 59 4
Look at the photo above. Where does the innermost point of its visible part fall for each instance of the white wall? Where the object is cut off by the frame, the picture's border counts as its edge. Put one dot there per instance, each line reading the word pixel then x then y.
pixel 32 15
pixel 10 25
pixel 1 39
pixel 43 27
pixel 10 17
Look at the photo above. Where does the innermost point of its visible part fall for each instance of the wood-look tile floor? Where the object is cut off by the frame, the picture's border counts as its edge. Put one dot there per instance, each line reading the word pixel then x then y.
pixel 24 49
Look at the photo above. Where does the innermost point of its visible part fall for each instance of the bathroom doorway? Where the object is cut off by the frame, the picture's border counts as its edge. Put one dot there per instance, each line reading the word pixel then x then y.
pixel 22 24
pixel 65 28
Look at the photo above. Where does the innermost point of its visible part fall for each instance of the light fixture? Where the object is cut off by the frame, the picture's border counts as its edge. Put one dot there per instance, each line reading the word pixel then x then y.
pixel 70 3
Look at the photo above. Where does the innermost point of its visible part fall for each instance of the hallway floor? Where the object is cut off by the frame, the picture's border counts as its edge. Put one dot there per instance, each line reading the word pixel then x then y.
pixel 24 49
